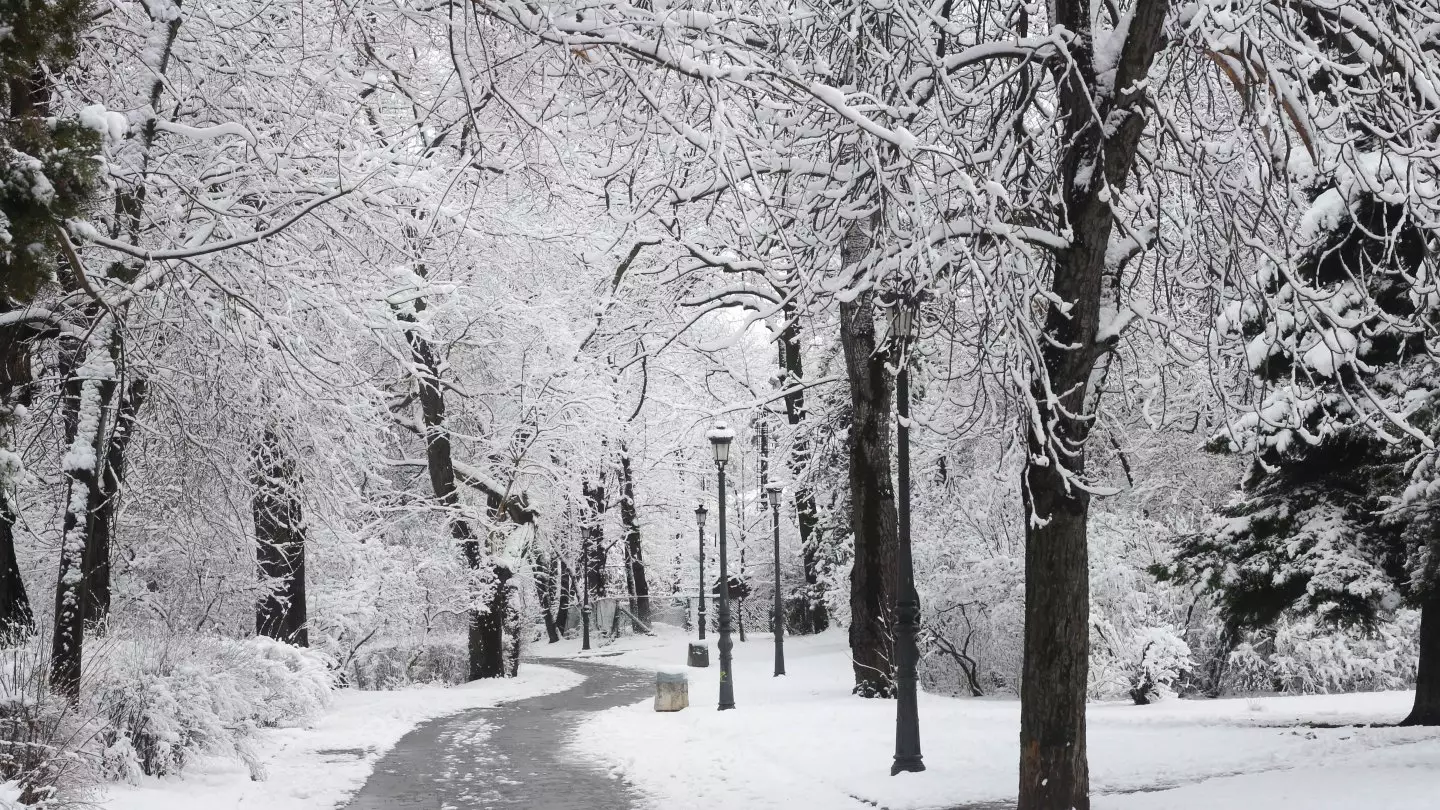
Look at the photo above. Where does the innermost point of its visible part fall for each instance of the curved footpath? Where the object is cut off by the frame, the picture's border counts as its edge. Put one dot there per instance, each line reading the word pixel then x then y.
pixel 512 755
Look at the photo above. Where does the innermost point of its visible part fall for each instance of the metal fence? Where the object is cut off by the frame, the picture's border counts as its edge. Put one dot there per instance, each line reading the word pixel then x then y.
pixel 614 616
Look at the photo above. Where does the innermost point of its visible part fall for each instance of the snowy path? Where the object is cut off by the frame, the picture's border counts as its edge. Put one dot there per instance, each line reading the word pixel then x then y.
pixel 514 755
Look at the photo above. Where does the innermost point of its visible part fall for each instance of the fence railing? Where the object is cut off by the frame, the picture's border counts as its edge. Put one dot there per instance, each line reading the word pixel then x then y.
pixel 615 616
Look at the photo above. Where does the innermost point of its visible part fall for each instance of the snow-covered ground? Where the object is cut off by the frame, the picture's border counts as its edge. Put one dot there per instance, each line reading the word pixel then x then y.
pixel 802 742
pixel 318 767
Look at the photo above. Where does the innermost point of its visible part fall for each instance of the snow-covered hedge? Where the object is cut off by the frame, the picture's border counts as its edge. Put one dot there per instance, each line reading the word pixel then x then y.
pixel 165 702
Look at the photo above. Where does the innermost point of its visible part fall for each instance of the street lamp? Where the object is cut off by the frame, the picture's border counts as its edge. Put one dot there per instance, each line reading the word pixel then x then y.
pixel 774 491
pixel 720 437
pixel 907 605
pixel 700 512
pixel 585 609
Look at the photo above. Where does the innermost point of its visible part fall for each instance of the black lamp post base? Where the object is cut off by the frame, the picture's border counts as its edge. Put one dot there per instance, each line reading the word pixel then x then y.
pixel 913 764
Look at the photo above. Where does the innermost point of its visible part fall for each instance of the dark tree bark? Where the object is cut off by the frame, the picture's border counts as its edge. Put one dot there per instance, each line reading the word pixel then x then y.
pixel 1426 711
pixel 545 587
pixel 593 549
pixel 1101 131
pixel 280 612
pixel 84 410
pixel 87 446
pixel 487 629
pixel 872 494
pixel 116 426
pixel 17 620
pixel 634 556
pixel 815 616
pixel 98 552
pixel 567 589
pixel 485 626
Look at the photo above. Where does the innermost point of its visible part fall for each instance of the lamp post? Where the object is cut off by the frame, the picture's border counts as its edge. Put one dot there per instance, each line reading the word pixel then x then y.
pixel 720 437
pixel 585 606
pixel 700 512
pixel 907 605
pixel 774 491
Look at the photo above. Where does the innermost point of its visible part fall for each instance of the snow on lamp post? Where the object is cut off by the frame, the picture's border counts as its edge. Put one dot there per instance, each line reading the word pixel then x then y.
pixel 774 491
pixel 720 437
pixel 907 606
pixel 700 512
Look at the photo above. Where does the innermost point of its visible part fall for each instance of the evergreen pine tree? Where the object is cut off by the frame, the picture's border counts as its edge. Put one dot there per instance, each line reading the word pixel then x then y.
pixel 1334 519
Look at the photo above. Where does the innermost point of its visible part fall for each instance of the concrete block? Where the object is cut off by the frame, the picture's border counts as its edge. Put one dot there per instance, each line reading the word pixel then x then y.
pixel 672 691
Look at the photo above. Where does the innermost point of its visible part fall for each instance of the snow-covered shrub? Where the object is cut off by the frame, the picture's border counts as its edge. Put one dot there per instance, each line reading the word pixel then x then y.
pixel 167 701
pixel 974 628
pixel 1303 656
pixel 1146 663
pixel 1137 625
pixel 44 741
pixel 394 665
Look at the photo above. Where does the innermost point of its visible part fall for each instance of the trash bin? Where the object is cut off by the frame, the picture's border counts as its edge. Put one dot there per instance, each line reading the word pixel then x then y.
pixel 672 691
pixel 699 654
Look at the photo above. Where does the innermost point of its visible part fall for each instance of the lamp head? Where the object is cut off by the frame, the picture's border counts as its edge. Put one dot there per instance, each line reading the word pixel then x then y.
pixel 774 491
pixel 700 513
pixel 902 317
pixel 720 437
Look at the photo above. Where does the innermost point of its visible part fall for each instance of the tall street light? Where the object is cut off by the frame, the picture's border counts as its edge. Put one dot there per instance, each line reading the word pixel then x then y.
pixel 700 512
pixel 720 437
pixel 774 491
pixel 907 606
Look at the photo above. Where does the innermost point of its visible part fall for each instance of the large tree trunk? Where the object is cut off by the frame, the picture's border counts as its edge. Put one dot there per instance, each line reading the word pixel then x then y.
pixel 545 588
pixel 567 589
pixel 486 648
pixel 815 618
pixel 1054 768
pixel 593 551
pixel 487 628
pixel 98 553
pixel 872 494
pixel 634 557
pixel 280 612
pixel 92 384
pixel 1426 711
pixel 17 620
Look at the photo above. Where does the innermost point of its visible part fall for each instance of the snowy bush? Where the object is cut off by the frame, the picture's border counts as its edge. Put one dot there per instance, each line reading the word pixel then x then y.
pixel 166 702
pixel 1137 625
pixel 394 665
pixel 1302 656
pixel 1146 664
pixel 42 738
pixel 974 627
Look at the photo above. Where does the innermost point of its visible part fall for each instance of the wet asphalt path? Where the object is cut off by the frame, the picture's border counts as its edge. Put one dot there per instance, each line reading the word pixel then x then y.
pixel 511 756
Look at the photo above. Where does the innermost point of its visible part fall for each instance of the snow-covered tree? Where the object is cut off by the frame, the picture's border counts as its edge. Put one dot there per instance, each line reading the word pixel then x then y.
pixel 1337 324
